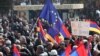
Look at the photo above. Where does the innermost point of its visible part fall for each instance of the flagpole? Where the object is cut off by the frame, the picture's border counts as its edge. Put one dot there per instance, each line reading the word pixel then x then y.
pixel 30 34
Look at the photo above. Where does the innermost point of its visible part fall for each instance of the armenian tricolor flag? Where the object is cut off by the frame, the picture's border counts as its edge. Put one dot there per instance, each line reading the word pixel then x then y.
pixel 94 27
pixel 15 51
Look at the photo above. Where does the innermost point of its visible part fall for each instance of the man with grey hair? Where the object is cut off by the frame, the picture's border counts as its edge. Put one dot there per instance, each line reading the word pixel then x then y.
pixel 40 51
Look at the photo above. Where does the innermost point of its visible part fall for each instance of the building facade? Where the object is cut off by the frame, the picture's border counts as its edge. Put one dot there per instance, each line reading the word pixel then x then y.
pixel 66 8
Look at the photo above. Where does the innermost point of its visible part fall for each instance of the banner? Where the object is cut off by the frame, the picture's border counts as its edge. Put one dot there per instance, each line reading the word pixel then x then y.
pixel 80 28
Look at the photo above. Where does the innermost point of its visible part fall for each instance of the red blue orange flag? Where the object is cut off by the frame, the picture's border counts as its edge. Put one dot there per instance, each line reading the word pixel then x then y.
pixel 81 50
pixel 45 34
pixel 59 38
pixel 55 34
pixel 41 29
pixel 94 27
pixel 15 51
pixel 68 50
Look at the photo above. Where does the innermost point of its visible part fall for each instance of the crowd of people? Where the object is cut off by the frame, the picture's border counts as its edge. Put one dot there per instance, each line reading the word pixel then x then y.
pixel 16 30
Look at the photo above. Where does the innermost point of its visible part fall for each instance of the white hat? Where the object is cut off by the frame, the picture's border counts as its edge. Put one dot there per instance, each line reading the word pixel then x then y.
pixel 43 54
pixel 17 41
pixel 75 46
pixel 85 40
pixel 8 42
pixel 53 52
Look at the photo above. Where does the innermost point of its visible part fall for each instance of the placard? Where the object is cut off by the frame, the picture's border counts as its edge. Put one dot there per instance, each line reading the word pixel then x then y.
pixel 80 28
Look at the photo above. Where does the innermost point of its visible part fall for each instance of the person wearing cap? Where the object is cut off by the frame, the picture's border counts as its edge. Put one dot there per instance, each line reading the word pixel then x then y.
pixel 8 43
pixel 17 41
pixel 53 53
pixel 43 54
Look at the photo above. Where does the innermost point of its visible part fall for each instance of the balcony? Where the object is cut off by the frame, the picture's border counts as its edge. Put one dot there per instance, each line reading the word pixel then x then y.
pixel 38 4
pixel 39 7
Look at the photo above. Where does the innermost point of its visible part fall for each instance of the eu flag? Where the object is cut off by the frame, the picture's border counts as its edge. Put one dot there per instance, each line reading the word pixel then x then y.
pixel 50 14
